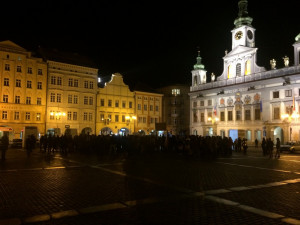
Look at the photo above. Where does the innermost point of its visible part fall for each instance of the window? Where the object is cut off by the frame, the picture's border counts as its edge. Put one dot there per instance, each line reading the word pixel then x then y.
pixel 194 104
pixel 52 97
pixel 5 98
pixel 74 115
pixel 109 103
pixel 59 81
pixel 4 115
pixel 53 80
pixel 201 103
pixel 130 105
pixel 75 99
pixel 248 67
pixel 288 93
pixel 91 101
pixel 145 107
pixel 51 115
pixel 175 92
pixel 123 118
pixel 195 117
pixel 28 100
pixel 238 115
pixel 85 115
pixel 151 107
pixel 276 113
pixel 229 115
pixel 70 97
pixel 247 114
pixel 29 70
pixel 85 100
pixel 39 85
pixel 238 70
pixel 275 94
pixel 38 116
pixel 39 101
pixel 90 116
pixel 29 84
pixel 257 114
pixel 75 83
pixel 6 82
pixel 289 110
pixel 209 102
pixel 123 104
pixel 70 82
pixel 27 116
pixel 116 118
pixel 91 84
pixel 58 98
pixel 209 115
pixel 139 106
pixel 102 102
pixel 202 117
pixel 69 117
pixel 40 72
pixel 19 69
pixel 156 108
pixel 17 116
pixel 17 99
pixel 7 67
pixel 144 120
pixel 18 83
pixel 86 84
pixel 222 115
pixel 117 103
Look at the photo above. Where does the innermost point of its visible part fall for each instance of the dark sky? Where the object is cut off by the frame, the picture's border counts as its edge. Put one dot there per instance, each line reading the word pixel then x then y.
pixel 150 41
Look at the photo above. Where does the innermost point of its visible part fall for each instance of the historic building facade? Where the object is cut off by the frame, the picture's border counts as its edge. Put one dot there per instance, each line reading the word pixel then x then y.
pixel 115 107
pixel 246 100
pixel 23 87
pixel 176 108
pixel 71 93
pixel 148 107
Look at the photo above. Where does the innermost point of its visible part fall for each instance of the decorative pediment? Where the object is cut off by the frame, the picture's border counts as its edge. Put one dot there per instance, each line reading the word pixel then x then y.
pixel 240 50
pixel 11 45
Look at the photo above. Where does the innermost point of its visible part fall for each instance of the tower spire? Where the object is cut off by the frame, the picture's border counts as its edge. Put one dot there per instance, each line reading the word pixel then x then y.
pixel 243 18
pixel 199 65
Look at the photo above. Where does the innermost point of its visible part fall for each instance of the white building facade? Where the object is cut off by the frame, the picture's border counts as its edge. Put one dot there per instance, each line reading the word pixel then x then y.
pixel 246 100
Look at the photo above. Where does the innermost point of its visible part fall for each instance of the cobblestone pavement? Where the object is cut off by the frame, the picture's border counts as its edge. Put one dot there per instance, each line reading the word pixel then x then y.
pixel 156 188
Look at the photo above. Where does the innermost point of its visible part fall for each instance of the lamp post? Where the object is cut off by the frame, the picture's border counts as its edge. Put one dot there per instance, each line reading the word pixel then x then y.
pixel 57 116
pixel 289 118
pixel 129 120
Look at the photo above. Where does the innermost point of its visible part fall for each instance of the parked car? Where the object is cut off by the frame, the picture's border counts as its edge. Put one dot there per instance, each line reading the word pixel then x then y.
pixel 286 147
pixel 295 147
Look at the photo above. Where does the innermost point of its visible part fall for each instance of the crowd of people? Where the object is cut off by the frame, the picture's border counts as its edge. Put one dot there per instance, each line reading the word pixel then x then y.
pixel 192 145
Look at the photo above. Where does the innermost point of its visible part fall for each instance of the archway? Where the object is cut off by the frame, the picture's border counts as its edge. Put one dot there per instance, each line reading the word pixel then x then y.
pixel 106 131
pixel 278 133
pixel 86 130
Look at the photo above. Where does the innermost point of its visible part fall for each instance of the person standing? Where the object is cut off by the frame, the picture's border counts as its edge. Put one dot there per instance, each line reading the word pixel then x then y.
pixel 264 146
pixel 4 145
pixel 277 153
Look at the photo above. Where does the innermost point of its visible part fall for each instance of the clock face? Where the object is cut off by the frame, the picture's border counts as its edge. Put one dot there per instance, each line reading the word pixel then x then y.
pixel 250 34
pixel 238 35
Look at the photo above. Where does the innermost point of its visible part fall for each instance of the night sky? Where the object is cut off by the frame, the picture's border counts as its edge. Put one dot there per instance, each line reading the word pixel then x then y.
pixel 154 42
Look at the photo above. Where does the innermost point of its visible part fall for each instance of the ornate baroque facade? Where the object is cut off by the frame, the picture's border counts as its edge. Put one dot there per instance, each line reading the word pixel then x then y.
pixel 246 100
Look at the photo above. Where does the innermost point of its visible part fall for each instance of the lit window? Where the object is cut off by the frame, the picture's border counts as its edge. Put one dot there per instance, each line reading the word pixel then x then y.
pixel 38 116
pixel 248 67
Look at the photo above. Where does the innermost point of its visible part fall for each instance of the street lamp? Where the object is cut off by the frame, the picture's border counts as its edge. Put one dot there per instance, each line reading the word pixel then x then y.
pixel 57 116
pixel 129 119
pixel 290 118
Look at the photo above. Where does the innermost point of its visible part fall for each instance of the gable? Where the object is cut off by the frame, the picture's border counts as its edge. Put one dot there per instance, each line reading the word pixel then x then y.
pixel 11 45
pixel 240 50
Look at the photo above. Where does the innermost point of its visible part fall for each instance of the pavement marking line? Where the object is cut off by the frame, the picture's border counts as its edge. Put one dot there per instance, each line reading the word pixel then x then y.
pixel 54 167
pixel 13 221
pixel 221 200
pixel 291 221
pixel 242 188
pixel 261 168
pixel 101 208
pixel 37 218
pixel 261 212
pixel 62 214
pixel 216 191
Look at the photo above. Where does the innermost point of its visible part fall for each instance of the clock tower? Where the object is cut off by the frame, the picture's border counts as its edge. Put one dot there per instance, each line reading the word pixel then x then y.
pixel 243 33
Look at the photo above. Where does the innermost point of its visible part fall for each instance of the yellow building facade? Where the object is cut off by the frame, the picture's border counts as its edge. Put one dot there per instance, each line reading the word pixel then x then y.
pixel 23 83
pixel 115 107
pixel 148 107
pixel 71 94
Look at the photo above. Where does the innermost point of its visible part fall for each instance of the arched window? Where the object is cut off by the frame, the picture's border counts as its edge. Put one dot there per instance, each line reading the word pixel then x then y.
pixel 230 72
pixel 248 67
pixel 195 80
pixel 238 70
